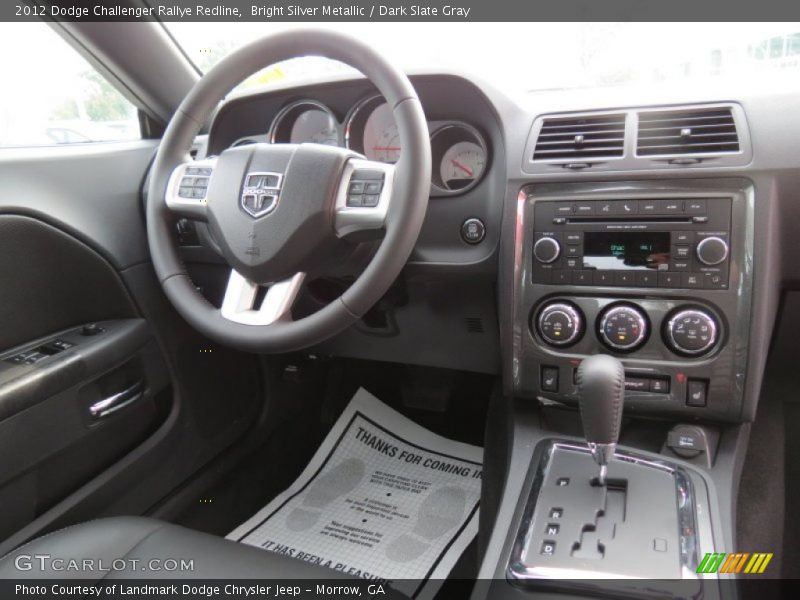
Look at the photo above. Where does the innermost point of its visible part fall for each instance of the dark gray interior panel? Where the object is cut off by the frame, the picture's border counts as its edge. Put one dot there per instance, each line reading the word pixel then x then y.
pixel 86 190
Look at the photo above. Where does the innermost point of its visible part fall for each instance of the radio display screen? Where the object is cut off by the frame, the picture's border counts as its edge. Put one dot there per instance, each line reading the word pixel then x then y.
pixel 625 250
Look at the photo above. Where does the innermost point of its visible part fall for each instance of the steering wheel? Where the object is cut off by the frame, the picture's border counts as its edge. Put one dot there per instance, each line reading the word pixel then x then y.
pixel 278 211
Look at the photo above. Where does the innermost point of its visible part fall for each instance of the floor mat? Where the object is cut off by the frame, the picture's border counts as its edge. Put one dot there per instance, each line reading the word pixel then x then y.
pixel 382 499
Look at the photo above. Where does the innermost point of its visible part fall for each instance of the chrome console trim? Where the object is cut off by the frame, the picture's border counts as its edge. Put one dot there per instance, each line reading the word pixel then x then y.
pixel 580 581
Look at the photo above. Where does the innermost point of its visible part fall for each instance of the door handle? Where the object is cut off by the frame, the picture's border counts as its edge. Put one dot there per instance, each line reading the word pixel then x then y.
pixel 110 405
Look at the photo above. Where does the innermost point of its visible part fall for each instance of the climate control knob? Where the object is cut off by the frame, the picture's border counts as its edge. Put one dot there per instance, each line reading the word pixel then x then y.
pixel 623 327
pixel 546 250
pixel 560 324
pixel 712 250
pixel 692 332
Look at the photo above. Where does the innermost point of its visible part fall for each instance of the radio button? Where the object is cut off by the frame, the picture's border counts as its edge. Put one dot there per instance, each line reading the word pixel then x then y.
pixel 646 279
pixel 561 277
pixel 669 280
pixel 669 207
pixel 715 281
pixel 625 207
pixel 605 208
pixel 681 251
pixel 681 265
pixel 692 280
pixel 695 207
pixel 573 238
pixel 564 209
pixel 603 278
pixel 573 251
pixel 648 207
pixel 623 278
pixel 683 237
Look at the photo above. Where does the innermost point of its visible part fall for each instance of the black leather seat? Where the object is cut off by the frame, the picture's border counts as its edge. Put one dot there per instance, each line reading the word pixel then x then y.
pixel 131 539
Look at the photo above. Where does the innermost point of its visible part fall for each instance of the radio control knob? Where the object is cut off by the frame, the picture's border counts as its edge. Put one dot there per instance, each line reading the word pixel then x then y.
pixel 692 332
pixel 623 328
pixel 712 250
pixel 560 324
pixel 546 250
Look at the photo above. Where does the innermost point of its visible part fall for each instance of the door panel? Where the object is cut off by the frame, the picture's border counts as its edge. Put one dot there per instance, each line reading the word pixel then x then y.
pixel 73 251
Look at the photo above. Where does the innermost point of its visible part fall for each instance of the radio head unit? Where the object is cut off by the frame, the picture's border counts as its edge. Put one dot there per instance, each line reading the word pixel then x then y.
pixel 674 243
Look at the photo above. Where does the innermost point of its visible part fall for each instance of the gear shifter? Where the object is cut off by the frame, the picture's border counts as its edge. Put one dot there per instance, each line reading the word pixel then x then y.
pixel 601 385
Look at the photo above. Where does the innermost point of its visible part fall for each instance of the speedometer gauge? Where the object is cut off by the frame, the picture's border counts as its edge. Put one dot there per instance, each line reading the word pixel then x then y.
pixel 461 165
pixel 370 129
pixel 381 138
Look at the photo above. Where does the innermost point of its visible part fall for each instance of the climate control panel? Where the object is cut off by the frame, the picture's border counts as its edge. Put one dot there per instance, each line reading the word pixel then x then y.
pixel 624 327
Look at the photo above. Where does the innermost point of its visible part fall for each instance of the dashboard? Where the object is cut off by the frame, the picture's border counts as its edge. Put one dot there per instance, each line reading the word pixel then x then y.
pixel 460 152
pixel 640 225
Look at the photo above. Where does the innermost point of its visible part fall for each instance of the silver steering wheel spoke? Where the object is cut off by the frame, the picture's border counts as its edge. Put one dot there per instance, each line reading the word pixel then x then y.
pixel 241 295
pixel 363 197
pixel 188 188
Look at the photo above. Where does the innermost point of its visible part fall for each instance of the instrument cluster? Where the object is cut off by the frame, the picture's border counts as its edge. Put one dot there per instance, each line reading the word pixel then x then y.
pixel 459 151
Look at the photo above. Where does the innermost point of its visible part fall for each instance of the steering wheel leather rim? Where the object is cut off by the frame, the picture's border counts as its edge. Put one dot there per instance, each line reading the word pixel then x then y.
pixel 404 220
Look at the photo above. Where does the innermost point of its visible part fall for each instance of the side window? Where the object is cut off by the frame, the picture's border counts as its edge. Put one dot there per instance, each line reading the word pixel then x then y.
pixel 51 95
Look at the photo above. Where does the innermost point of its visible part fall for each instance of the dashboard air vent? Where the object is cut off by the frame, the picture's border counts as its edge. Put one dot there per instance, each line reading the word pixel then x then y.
pixel 581 138
pixel 687 131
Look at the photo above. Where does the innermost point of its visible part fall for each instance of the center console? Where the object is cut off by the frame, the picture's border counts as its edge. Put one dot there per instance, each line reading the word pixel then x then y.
pixel 657 275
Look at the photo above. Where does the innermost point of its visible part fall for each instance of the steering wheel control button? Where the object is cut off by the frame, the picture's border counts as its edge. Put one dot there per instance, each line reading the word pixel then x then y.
pixel 550 379
pixel 194 183
pixel 560 324
pixel 473 231
pixel 623 328
pixel 692 332
pixel 712 251
pixel 364 189
pixel 546 250
pixel 697 393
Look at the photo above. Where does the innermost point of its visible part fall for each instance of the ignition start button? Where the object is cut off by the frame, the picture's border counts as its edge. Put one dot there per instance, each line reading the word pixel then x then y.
pixel 473 231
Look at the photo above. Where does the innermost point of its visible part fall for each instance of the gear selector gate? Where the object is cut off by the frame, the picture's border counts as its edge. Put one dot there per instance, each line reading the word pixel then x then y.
pixel 599 512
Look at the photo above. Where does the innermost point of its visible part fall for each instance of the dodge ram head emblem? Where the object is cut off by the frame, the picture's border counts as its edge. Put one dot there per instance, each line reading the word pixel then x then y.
pixel 260 193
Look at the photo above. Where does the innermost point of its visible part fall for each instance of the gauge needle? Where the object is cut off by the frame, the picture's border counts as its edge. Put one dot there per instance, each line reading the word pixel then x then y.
pixel 462 166
pixel 386 148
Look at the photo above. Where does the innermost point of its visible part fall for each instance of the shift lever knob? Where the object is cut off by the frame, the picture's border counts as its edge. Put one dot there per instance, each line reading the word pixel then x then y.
pixel 601 386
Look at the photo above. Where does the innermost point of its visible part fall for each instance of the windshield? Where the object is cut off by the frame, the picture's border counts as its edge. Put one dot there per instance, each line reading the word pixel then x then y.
pixel 527 57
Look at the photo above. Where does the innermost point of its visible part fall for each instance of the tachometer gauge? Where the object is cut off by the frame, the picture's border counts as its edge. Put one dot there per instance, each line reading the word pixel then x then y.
pixel 462 164
pixel 381 139
pixel 460 158
pixel 305 121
